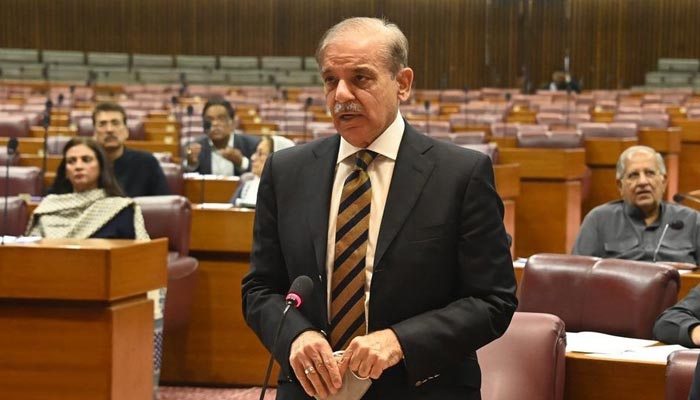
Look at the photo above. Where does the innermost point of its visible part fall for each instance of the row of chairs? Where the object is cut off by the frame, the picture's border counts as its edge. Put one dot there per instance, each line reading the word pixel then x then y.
pixel 138 60
pixel 561 293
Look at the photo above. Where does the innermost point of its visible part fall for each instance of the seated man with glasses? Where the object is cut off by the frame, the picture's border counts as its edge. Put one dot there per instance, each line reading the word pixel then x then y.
pixel 641 226
pixel 224 151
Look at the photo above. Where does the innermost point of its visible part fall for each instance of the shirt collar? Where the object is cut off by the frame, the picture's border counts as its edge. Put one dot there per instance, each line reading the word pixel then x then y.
pixel 636 214
pixel 386 144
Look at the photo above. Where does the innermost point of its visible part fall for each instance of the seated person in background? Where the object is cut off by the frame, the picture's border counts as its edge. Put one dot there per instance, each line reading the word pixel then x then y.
pixel 223 151
pixel 138 172
pixel 680 324
pixel 247 192
pixel 563 81
pixel 88 203
pixel 632 228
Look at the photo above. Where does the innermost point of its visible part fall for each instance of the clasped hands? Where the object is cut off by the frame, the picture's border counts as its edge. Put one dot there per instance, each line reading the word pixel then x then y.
pixel 320 374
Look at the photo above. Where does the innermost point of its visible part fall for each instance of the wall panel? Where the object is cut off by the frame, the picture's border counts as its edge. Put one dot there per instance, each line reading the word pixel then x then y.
pixel 612 43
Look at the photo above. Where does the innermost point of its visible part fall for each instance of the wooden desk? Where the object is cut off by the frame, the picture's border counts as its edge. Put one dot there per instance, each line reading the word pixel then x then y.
pixel 31 160
pixel 217 348
pixel 602 379
pixel 76 322
pixel 507 177
pixel 217 190
pixel 689 159
pixel 549 206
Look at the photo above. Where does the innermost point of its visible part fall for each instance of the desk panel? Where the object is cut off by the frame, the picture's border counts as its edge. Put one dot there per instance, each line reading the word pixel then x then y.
pixel 215 190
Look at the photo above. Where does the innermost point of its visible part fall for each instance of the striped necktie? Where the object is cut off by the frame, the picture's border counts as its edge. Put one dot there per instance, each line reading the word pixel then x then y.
pixel 352 230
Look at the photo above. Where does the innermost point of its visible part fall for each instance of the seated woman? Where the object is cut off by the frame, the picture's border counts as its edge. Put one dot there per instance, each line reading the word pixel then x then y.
pixel 90 204
pixel 247 192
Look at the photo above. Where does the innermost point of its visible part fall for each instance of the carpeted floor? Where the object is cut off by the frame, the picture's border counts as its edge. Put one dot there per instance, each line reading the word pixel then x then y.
pixel 200 393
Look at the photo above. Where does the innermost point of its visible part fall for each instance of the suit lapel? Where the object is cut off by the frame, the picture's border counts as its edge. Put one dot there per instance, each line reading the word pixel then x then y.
pixel 318 184
pixel 411 172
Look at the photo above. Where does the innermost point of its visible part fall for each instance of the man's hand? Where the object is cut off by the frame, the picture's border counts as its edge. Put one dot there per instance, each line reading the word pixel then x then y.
pixel 232 154
pixel 368 356
pixel 311 358
pixel 193 150
pixel 695 335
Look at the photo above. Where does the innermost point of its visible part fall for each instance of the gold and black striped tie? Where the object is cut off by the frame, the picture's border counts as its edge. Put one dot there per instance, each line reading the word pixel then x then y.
pixel 352 230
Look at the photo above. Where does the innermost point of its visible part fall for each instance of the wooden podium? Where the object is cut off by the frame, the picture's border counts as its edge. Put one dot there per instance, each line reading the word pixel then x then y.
pixel 75 322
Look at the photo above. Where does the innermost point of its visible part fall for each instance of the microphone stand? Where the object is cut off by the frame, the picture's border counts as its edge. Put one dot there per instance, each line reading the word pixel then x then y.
pixel 307 103
pixel 47 123
pixel 269 364
pixel 284 111
pixel 426 106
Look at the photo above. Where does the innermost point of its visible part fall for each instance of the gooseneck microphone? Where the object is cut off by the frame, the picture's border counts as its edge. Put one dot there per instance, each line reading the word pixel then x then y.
pixel 207 127
pixel 426 106
pixel 675 225
pixel 11 151
pixel 307 104
pixel 300 289
pixel 47 124
pixel 679 197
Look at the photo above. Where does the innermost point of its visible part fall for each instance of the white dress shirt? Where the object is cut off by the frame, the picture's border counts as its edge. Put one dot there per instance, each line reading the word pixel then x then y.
pixel 380 172
pixel 222 166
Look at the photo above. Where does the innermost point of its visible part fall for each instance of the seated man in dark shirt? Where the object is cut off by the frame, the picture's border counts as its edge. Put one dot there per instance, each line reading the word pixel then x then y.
pixel 138 172
pixel 641 226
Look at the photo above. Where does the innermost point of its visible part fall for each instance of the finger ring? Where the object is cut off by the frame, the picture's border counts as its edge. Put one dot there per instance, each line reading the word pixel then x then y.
pixel 309 370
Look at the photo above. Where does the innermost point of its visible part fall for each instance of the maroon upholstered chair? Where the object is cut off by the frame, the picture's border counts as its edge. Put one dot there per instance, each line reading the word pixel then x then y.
pixel 14 159
pixel 23 180
pixel 55 144
pixel 490 149
pixel 680 369
pixel 17 216
pixel 170 217
pixel 527 362
pixel 173 175
pixel 602 295
pixel 14 125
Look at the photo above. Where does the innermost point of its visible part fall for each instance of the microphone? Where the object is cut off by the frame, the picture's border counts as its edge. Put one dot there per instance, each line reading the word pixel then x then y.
pixel 307 104
pixel 207 128
pixel 285 95
pixel 426 106
pixel 679 197
pixel 300 289
pixel 12 145
pixel 675 225
pixel 47 123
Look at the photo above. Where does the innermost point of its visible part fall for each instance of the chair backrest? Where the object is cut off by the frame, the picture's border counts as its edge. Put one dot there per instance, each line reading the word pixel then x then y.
pixel 553 139
pixel 602 295
pixel 17 216
pixel 680 369
pixel 173 175
pixel 14 125
pixel 527 362
pixel 23 180
pixel 169 217
pixel 13 159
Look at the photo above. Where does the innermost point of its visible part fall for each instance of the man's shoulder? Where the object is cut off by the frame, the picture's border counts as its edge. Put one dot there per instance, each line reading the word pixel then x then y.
pixel 607 210
pixel 133 155
pixel 681 211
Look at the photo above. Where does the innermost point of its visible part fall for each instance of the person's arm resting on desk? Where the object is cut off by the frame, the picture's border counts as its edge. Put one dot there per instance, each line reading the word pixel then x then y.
pixel 680 323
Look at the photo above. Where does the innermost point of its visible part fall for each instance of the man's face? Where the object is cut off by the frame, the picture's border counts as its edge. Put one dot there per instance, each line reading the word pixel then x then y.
pixel 110 130
pixel 258 159
pixel 361 93
pixel 221 123
pixel 642 183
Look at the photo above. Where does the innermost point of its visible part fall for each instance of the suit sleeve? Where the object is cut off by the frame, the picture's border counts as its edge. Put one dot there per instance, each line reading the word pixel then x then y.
pixel 158 184
pixel 267 282
pixel 673 325
pixel 440 339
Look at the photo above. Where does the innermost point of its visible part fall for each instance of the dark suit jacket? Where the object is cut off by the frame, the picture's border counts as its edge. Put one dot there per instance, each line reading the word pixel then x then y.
pixel 247 144
pixel 443 277
pixel 673 325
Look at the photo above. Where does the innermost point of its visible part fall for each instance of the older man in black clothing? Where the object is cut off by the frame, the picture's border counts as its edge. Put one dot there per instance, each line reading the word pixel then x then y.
pixel 138 172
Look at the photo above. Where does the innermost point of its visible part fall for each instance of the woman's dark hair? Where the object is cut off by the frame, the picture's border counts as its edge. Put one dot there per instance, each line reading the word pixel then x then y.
pixel 106 180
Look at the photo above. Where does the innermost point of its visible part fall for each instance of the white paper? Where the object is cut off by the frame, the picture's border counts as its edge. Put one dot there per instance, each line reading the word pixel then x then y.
pixel 20 239
pixel 596 342
pixel 215 206
pixel 648 354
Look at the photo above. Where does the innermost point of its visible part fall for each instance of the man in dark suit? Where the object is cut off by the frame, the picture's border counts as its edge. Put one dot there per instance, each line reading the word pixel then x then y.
pixel 223 151
pixel 417 222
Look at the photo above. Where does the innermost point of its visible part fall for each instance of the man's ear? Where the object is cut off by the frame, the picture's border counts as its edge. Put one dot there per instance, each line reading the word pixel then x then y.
pixel 405 80
pixel 619 186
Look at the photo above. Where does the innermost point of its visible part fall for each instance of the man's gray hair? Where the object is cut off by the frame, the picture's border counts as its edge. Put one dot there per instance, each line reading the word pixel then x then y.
pixel 395 48
pixel 629 152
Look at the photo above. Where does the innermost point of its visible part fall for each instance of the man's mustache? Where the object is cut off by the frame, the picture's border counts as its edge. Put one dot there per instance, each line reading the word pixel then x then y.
pixel 340 108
